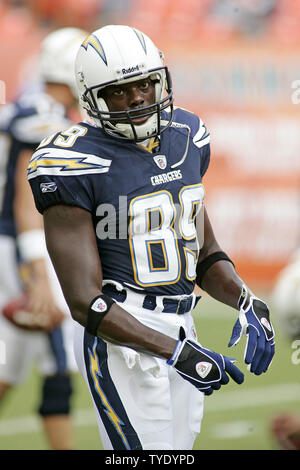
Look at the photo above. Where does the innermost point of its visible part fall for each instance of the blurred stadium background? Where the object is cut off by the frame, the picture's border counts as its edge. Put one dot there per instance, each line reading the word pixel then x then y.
pixel 237 64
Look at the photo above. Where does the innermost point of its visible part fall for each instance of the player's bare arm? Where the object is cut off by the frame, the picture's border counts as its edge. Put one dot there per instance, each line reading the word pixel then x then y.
pixel 221 280
pixel 71 243
pixel 216 274
pixel 27 217
pixel 30 230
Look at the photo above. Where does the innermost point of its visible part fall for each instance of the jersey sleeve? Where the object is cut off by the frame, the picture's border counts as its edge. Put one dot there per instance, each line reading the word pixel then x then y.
pixel 59 176
pixel 199 135
pixel 32 128
pixel 201 140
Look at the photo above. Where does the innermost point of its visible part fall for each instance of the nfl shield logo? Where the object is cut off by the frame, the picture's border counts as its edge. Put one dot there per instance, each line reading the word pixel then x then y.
pixel 161 161
pixel 99 305
pixel 203 368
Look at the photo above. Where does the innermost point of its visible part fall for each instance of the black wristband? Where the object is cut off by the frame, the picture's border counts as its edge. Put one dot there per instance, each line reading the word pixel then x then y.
pixel 98 308
pixel 205 264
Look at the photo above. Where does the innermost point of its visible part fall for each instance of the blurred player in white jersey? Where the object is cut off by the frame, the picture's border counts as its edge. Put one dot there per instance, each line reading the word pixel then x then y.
pixel 44 336
pixel 124 211
pixel 286 297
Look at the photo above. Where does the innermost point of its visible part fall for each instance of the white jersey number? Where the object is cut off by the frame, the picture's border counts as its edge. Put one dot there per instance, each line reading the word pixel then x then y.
pixel 153 220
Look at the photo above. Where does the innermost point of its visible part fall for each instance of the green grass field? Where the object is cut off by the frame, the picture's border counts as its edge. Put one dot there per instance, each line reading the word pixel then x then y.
pixel 237 417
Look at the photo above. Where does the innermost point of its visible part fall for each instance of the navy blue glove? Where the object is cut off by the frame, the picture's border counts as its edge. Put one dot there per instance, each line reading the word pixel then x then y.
pixel 254 322
pixel 205 369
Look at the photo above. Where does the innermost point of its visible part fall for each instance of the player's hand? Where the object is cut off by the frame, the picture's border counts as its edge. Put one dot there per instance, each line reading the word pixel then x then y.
pixel 254 322
pixel 205 369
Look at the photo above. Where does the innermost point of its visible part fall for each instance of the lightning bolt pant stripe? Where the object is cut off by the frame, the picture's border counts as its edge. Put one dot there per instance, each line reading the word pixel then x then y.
pixel 106 398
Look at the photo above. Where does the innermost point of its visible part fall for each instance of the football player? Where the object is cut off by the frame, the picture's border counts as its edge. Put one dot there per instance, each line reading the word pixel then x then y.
pixel 286 297
pixel 129 238
pixel 23 124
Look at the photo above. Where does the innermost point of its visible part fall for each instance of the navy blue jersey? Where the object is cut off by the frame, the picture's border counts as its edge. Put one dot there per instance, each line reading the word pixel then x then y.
pixel 22 126
pixel 143 200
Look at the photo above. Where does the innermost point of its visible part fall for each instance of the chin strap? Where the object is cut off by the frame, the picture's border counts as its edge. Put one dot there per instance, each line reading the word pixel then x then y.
pixel 144 131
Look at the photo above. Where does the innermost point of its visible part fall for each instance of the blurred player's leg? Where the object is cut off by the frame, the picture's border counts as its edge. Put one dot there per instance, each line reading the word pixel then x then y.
pixel 55 411
pixel 17 352
pixel 56 364
pixel 24 347
pixel 59 429
pixel 56 391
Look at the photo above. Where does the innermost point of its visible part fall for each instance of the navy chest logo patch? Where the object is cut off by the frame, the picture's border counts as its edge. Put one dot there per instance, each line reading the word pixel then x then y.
pixel 161 161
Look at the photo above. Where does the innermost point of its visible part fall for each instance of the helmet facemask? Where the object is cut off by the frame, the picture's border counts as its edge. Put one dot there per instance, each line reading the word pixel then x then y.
pixel 120 124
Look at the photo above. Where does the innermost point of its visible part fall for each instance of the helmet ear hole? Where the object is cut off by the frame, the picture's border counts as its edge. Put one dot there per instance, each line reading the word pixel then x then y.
pixel 102 104
pixel 99 93
pixel 158 91
pixel 159 85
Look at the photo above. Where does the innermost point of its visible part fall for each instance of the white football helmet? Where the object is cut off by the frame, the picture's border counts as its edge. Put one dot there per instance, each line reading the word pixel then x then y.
pixel 57 56
pixel 119 54
pixel 286 297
